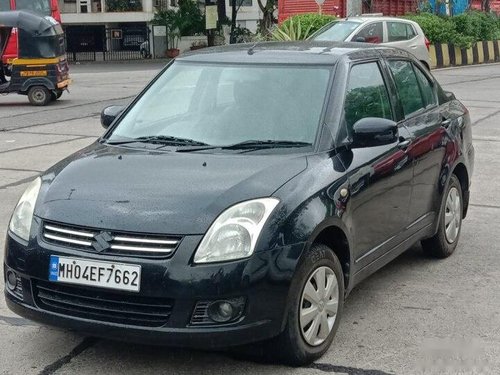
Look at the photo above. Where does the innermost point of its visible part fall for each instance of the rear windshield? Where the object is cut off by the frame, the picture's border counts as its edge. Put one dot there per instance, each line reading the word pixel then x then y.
pixel 41 46
pixel 336 31
pixel 226 104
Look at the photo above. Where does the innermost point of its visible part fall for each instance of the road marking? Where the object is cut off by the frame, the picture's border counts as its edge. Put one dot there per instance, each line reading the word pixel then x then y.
pixel 327 367
pixel 484 205
pixel 79 349
pixel 46 144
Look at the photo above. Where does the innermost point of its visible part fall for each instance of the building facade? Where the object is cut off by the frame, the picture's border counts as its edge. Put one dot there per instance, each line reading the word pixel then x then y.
pixel 116 29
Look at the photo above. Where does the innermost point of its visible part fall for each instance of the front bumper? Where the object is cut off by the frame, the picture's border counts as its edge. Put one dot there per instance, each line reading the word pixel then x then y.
pixel 263 280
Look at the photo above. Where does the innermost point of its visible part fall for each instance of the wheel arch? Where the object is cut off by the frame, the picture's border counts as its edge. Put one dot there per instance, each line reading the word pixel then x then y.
pixel 460 170
pixel 37 82
pixel 335 238
pixel 333 234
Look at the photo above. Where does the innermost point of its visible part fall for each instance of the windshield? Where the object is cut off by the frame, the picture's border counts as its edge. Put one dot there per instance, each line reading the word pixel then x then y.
pixel 337 31
pixel 40 7
pixel 227 104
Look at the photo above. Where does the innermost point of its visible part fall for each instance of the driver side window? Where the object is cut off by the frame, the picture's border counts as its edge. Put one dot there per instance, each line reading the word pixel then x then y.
pixel 366 95
pixel 373 33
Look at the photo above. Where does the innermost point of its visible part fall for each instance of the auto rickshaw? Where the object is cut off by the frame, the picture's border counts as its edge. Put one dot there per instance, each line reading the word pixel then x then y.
pixel 40 71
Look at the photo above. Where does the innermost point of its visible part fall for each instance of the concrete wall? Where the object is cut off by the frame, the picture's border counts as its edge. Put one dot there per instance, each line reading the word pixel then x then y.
pixel 186 41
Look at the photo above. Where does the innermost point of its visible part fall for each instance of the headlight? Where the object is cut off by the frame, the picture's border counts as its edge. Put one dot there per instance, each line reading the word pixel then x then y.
pixel 20 223
pixel 234 233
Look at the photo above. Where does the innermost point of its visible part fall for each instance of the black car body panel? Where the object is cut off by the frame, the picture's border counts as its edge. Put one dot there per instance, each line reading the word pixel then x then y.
pixel 368 204
pixel 186 197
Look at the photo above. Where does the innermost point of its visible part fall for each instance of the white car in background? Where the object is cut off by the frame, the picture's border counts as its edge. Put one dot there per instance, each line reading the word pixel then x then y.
pixel 394 32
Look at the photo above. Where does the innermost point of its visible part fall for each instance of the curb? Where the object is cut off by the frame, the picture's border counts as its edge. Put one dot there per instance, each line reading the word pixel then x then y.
pixel 446 55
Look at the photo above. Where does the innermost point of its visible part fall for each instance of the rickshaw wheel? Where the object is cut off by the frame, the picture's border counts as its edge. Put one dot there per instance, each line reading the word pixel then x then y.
pixel 39 95
pixel 54 95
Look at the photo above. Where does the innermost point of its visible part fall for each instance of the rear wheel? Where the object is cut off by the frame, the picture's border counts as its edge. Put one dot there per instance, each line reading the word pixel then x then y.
pixel 444 242
pixel 317 299
pixel 39 95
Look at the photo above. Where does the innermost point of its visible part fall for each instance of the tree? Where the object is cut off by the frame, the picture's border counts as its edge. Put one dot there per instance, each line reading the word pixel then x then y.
pixel 485 5
pixel 268 19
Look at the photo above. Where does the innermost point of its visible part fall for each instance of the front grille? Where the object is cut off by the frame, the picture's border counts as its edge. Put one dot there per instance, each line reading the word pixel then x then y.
pixel 102 305
pixel 108 242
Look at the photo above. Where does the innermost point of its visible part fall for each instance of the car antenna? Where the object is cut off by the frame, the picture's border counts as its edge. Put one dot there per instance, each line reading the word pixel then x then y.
pixel 251 49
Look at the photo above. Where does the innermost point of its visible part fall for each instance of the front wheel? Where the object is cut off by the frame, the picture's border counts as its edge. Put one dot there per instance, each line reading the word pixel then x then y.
pixel 444 242
pixel 39 95
pixel 317 299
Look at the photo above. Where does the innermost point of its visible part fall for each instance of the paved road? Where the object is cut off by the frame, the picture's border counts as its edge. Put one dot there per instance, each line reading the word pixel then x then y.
pixel 415 316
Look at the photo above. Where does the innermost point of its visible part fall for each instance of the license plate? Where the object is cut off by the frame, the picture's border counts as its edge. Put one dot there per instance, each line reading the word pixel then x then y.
pixel 95 273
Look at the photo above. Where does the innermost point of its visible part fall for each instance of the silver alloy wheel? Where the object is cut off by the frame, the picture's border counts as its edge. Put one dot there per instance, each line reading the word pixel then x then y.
pixel 319 305
pixel 452 215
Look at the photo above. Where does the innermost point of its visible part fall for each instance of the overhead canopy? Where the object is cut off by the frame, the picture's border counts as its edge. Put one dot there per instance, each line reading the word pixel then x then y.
pixel 29 22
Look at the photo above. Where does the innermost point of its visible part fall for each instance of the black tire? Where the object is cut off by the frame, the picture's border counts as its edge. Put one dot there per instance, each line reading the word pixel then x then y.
pixel 54 95
pixel 39 95
pixel 291 345
pixel 440 245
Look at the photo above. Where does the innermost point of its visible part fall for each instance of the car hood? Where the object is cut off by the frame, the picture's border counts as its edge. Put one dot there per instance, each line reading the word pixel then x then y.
pixel 119 188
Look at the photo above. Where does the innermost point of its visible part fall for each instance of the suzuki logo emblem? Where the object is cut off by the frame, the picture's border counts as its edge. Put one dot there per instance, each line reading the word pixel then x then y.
pixel 102 241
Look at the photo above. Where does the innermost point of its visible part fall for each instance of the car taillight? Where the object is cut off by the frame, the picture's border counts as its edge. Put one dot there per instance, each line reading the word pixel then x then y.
pixel 427 43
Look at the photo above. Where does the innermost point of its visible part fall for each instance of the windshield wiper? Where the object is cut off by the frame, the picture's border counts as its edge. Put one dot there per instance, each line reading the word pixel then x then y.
pixel 249 144
pixel 160 139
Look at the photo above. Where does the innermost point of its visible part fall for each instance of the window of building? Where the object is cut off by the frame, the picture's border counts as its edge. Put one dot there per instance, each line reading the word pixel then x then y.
pixel 243 3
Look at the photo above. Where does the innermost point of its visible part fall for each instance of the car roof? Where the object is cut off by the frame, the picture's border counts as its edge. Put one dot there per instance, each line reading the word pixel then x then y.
pixel 375 18
pixel 301 53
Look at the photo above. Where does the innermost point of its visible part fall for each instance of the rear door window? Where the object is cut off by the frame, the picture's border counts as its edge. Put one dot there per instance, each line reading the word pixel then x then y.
pixel 426 87
pixel 399 31
pixel 407 86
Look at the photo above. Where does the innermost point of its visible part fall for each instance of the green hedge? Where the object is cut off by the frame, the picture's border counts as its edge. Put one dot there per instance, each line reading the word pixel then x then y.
pixel 462 30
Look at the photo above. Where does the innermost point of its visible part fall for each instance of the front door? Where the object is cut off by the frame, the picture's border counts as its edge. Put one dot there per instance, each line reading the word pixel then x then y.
pixel 380 178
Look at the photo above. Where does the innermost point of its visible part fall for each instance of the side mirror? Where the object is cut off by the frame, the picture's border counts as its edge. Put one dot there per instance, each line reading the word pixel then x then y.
pixel 360 39
pixel 374 131
pixel 109 114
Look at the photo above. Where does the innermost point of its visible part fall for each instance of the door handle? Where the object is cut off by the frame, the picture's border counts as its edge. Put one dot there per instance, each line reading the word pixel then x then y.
pixel 403 144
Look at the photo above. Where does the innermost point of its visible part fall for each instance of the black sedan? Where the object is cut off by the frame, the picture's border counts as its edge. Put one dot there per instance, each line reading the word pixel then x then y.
pixel 242 196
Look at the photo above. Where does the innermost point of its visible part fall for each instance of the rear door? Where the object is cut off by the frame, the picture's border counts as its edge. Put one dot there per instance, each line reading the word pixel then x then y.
pixel 405 36
pixel 422 116
pixel 401 35
pixel 380 177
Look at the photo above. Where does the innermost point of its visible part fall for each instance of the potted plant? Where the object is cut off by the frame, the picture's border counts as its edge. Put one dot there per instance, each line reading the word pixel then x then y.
pixel 172 21
pixel 173 44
